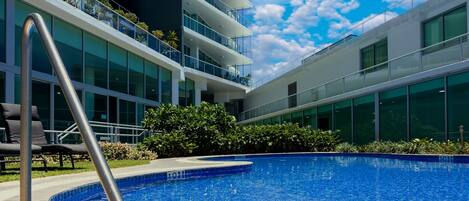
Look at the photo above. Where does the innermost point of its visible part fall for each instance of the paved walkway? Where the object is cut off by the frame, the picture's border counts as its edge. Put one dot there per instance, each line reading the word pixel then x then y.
pixel 44 188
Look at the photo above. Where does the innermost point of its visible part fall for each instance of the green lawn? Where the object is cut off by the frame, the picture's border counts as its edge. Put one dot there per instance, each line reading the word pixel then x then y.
pixel 12 172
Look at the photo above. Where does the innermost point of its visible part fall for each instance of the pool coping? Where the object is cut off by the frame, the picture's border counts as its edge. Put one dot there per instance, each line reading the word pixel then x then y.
pixel 45 188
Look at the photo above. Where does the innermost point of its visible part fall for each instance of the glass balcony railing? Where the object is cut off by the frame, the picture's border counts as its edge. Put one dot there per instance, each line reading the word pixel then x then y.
pixel 233 13
pixel 125 26
pixel 198 27
pixel 438 55
pixel 211 69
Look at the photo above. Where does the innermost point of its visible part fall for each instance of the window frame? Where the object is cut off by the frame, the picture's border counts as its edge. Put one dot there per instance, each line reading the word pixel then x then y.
pixel 441 17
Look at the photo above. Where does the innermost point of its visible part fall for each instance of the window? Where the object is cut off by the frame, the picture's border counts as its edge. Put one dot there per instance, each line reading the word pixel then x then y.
pixel 40 61
pixel 140 113
pixel 427 109
pixel 63 117
pixel 325 117
pixel 96 107
pixel 374 54
pixel 117 69
pixel 40 99
pixel 458 106
pixel 393 115
pixel 292 95
pixel 364 120
pixel 286 118
pixel 309 118
pixel 151 81
pixel 297 118
pixel 69 42
pixel 95 60
pixel 186 92
pixel 2 31
pixel 445 26
pixel 276 120
pixel 343 120
pixel 136 76
pixel 166 85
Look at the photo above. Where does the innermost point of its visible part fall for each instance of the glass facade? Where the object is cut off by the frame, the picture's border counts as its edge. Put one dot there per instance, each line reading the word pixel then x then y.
pixel 445 26
pixel 69 42
pixel 166 85
pixel 364 119
pixel 458 105
pixel 95 60
pixel 151 81
pixel 2 31
pixel 96 107
pixel 136 76
pixel 297 118
pixel 325 117
pixel 427 109
pixel 40 99
pixel 118 72
pixel 40 61
pixel 343 120
pixel 187 92
pixel 62 110
pixel 310 118
pixel 393 115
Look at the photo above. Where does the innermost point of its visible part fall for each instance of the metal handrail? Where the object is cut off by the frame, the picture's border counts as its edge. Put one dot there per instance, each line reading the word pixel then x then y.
pixel 460 38
pixel 94 150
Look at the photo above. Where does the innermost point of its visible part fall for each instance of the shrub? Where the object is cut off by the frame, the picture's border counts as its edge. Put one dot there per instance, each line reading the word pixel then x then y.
pixel 346 148
pixel 172 144
pixel 119 151
pixel 416 146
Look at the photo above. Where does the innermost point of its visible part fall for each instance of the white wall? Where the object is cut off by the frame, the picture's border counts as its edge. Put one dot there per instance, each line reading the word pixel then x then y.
pixel 404 36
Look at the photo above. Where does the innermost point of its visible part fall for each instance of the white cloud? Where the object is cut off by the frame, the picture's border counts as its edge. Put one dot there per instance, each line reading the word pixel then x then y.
pixel 269 13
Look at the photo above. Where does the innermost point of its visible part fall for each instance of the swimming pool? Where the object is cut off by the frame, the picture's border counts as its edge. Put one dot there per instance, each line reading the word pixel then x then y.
pixel 302 177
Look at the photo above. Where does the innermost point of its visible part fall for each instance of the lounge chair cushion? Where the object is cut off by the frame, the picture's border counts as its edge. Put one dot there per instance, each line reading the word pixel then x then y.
pixel 14 149
pixel 13 132
pixel 65 148
pixel 13 112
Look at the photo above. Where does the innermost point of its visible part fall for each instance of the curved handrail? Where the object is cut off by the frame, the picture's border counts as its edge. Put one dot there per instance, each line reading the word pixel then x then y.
pixel 97 157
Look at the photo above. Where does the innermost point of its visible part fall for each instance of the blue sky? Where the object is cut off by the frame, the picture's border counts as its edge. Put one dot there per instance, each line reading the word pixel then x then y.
pixel 287 30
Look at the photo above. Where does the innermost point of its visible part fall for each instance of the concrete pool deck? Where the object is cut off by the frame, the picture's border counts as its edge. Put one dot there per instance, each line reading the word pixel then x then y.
pixel 44 188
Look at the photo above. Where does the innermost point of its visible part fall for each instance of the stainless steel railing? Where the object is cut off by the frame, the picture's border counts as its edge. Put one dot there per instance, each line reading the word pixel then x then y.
pixel 102 168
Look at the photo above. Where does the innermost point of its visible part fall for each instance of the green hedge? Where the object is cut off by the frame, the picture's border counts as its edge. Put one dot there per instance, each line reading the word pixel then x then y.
pixel 208 129
pixel 416 146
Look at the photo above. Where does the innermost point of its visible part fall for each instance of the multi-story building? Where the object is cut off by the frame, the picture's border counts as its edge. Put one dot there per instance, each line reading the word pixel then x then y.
pixel 407 78
pixel 119 68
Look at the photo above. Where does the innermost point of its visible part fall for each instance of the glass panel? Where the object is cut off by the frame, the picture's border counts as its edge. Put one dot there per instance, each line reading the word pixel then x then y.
pixel 364 120
pixel 286 118
pixel 69 42
pixel 41 99
pixel 95 61
pixel 136 76
pixel 2 31
pixel 117 69
pixel 127 112
pixel 40 61
pixel 166 85
pixel 140 113
pixel 113 109
pixel 63 117
pixel 424 98
pixel 190 91
pixel 96 107
pixel 393 115
pixel 381 51
pixel 343 120
pixel 2 87
pixel 455 23
pixel 458 106
pixel 182 93
pixel 325 117
pixel 297 118
pixel 276 120
pixel 309 118
pixel 367 56
pixel 151 81
pixel 433 32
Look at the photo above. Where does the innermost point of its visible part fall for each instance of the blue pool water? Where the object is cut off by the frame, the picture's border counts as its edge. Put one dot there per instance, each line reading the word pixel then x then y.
pixel 313 177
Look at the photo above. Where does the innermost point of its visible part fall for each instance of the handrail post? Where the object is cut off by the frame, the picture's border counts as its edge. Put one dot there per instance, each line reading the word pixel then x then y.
pixel 94 150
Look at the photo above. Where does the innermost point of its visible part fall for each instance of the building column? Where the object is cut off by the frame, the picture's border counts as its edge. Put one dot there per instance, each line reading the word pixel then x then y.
pixel 175 78
pixel 200 85
pixel 10 53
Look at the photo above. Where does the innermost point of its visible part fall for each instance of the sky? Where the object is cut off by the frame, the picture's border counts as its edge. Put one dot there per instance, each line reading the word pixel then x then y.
pixel 285 31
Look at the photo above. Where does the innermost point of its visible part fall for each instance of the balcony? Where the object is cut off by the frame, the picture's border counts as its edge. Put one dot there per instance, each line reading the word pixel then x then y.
pixel 233 13
pixel 211 69
pixel 105 14
pixel 439 55
pixel 198 27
